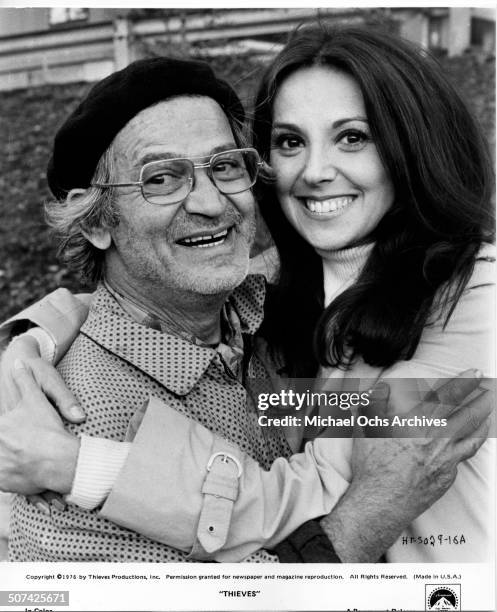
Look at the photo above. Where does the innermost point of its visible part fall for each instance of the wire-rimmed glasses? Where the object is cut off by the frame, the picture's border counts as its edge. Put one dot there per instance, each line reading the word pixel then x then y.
pixel 169 181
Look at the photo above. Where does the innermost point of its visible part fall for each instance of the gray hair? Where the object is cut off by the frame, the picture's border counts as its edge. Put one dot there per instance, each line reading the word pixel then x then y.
pixel 84 210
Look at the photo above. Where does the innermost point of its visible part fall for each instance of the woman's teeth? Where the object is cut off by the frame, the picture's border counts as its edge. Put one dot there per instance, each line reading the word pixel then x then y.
pixel 330 205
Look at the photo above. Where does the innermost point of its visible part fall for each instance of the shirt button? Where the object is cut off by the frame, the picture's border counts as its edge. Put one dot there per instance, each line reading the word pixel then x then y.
pixel 211 528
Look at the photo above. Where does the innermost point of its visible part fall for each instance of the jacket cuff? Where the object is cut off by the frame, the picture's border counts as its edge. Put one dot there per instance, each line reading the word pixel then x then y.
pixel 99 463
pixel 46 342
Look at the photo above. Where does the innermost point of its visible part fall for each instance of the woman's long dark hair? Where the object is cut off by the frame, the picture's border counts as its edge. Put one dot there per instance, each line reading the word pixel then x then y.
pixel 425 246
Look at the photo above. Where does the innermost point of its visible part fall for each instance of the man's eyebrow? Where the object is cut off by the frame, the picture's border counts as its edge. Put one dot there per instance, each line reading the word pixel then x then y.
pixel 336 124
pixel 224 147
pixel 150 157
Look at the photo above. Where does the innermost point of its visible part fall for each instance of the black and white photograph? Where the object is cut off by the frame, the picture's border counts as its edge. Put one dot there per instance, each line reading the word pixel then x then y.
pixel 247 307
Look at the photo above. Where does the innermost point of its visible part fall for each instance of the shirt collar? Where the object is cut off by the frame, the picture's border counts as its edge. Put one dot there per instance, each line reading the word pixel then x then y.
pixel 248 301
pixel 151 350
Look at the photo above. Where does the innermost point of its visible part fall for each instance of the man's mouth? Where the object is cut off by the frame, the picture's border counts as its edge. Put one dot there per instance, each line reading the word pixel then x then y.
pixel 205 241
pixel 327 205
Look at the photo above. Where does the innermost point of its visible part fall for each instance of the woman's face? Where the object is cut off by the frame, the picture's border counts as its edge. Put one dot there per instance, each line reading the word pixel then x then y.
pixel 330 181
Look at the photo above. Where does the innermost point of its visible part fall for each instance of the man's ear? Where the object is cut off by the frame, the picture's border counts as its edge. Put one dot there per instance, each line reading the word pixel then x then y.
pixel 99 237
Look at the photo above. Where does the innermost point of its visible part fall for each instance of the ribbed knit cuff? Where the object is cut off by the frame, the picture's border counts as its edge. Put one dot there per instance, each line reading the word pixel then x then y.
pixel 45 342
pixel 99 463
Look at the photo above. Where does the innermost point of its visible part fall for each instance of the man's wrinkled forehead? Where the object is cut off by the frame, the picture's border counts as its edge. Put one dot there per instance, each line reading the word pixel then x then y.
pixel 182 126
pixel 111 103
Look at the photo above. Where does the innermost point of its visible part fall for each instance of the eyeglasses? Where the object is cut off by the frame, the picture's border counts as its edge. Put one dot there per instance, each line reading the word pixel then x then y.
pixel 169 181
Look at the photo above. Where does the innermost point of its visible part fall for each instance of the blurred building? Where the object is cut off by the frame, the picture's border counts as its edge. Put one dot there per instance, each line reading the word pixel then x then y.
pixel 57 45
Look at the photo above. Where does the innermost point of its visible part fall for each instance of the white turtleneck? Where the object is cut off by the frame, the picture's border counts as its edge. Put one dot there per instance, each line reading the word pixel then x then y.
pixel 341 268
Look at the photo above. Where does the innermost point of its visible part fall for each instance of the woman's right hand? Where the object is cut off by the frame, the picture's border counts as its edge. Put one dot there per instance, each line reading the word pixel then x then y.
pixel 26 348
pixel 36 452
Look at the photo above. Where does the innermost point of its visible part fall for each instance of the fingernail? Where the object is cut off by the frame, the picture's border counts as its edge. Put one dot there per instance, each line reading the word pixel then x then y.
pixel 59 504
pixel 76 412
pixel 19 365
pixel 43 508
pixel 478 373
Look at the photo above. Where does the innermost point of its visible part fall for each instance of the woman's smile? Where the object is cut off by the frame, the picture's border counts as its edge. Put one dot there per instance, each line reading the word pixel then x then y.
pixel 326 205
pixel 330 181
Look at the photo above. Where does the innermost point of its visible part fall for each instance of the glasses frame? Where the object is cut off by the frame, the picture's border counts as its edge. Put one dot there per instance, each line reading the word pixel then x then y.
pixel 191 181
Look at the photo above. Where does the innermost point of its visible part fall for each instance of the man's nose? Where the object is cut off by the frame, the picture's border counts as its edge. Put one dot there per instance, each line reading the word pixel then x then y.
pixel 204 198
pixel 320 166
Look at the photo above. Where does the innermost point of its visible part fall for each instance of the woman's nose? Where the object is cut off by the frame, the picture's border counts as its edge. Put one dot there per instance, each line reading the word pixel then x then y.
pixel 319 167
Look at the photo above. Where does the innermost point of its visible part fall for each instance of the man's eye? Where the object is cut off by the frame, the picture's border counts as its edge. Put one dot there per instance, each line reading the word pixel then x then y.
pixel 158 179
pixel 225 166
pixel 353 140
pixel 162 178
pixel 228 169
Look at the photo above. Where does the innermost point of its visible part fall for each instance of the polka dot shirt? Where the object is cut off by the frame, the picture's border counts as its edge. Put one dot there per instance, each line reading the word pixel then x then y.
pixel 113 367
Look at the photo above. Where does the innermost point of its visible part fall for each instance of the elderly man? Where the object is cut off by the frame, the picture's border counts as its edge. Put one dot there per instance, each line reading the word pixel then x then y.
pixel 158 208
pixel 168 221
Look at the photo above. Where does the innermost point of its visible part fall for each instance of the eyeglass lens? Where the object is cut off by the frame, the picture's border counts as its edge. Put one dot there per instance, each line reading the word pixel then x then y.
pixel 168 181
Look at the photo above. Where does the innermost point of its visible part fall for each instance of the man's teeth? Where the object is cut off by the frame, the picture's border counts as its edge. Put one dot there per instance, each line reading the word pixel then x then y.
pixel 326 206
pixel 206 241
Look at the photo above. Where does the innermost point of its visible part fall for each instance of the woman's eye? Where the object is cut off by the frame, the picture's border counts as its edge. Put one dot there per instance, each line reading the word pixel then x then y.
pixel 353 140
pixel 286 142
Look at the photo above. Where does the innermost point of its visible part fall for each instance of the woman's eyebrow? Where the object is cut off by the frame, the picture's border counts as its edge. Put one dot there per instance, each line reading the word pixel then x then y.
pixel 340 122
pixel 336 124
pixel 285 126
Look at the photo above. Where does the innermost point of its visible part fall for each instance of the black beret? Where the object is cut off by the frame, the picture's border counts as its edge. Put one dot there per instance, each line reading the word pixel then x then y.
pixel 112 102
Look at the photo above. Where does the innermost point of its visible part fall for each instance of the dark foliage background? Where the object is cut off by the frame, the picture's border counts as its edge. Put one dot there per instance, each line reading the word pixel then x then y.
pixel 28 121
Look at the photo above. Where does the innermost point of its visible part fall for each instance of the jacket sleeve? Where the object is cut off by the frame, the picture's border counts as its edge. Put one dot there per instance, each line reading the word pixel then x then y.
pixel 261 508
pixel 60 314
pixel 166 492
pixel 447 348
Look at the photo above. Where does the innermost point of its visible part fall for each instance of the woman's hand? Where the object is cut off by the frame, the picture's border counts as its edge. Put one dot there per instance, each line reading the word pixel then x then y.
pixel 48 380
pixel 36 452
pixel 45 380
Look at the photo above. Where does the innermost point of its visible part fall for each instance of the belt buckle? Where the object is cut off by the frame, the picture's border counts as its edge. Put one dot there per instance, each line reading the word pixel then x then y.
pixel 225 457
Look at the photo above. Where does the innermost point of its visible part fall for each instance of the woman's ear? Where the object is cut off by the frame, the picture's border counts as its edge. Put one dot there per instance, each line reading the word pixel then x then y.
pixel 99 237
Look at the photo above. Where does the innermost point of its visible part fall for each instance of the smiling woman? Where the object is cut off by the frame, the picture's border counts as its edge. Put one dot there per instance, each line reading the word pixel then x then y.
pixel 331 185
pixel 383 187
